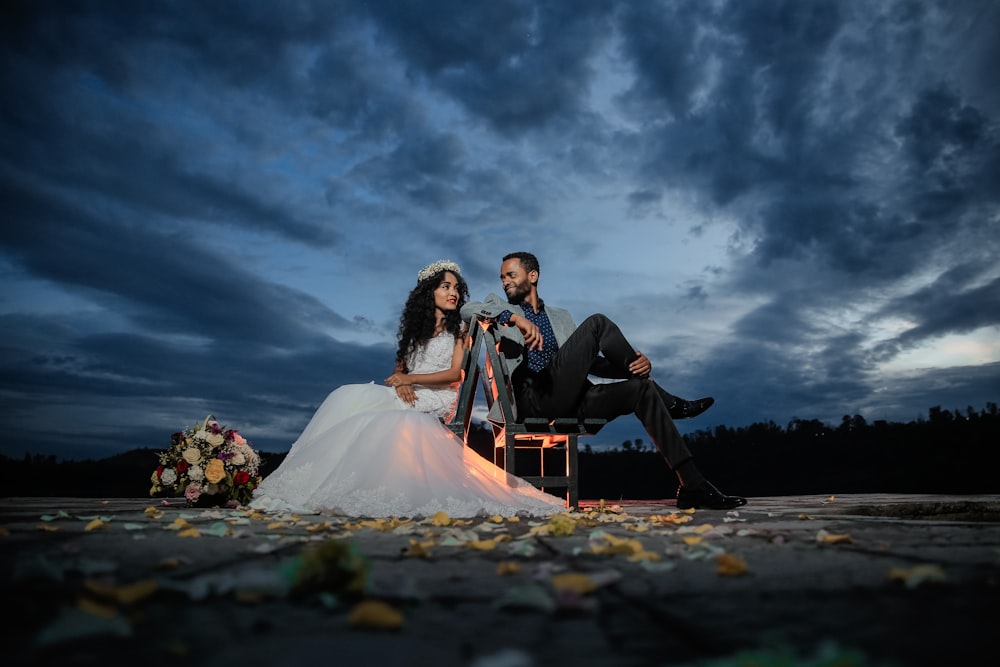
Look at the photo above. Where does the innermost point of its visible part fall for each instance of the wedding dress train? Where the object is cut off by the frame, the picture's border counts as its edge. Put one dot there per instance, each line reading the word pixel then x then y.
pixel 366 453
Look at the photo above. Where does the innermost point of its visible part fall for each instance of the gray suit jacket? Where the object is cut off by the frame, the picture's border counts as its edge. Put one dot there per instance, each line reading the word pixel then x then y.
pixel 512 342
pixel 511 347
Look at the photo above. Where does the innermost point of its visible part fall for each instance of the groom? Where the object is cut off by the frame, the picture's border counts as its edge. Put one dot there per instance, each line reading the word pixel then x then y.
pixel 549 359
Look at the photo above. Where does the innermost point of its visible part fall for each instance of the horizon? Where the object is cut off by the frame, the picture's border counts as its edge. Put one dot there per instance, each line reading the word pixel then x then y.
pixel 587 442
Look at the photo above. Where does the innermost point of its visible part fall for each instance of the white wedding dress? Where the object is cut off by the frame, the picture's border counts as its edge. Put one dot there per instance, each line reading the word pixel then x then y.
pixel 367 453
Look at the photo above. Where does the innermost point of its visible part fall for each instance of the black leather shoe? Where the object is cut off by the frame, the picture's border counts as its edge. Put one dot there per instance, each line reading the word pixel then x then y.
pixel 706 497
pixel 682 409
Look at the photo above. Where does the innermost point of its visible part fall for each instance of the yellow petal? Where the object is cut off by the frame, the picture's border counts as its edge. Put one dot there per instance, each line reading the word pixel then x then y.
pixel 418 549
pixel 96 608
pixel 918 574
pixel 482 545
pixel 574 581
pixel 95 524
pixel 180 524
pixel 730 565
pixel 48 527
pixel 189 532
pixel 128 594
pixel 562 525
pixel 441 519
pixel 376 615
pixel 508 567
pixel 317 527
pixel 692 539
pixel 153 512
pixel 825 537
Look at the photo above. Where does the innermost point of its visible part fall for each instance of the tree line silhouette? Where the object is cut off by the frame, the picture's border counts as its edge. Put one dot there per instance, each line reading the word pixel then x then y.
pixel 949 452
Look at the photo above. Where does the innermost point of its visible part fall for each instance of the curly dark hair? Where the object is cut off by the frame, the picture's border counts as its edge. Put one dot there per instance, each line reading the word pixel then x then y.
pixel 416 324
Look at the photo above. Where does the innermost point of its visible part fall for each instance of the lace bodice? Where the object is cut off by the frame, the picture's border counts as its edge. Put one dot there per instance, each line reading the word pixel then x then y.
pixel 431 357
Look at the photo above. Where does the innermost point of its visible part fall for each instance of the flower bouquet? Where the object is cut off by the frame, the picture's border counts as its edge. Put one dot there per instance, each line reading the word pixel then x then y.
pixel 208 465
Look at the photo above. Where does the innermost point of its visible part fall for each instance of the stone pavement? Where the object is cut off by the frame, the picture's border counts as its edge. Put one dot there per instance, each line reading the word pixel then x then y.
pixel 845 580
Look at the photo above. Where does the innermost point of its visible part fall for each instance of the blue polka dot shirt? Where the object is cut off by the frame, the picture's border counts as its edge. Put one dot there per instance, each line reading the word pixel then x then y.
pixel 537 359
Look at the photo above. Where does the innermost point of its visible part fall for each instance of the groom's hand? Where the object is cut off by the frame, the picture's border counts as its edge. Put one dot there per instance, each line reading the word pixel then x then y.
pixel 532 336
pixel 642 366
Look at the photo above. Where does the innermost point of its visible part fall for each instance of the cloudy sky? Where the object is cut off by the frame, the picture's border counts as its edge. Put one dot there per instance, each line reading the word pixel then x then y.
pixel 219 207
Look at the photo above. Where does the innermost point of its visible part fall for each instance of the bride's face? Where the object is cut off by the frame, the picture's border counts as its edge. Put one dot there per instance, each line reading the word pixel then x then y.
pixel 446 294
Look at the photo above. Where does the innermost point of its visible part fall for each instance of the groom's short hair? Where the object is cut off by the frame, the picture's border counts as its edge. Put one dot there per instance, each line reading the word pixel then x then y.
pixel 528 261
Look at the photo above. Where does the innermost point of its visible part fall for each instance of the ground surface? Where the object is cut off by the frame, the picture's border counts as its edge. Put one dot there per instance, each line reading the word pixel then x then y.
pixel 866 579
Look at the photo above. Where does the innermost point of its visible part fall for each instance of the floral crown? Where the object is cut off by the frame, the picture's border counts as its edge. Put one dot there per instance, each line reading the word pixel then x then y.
pixel 437 267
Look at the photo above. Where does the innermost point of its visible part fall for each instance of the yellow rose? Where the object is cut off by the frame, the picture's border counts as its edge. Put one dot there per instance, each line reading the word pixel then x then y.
pixel 215 472
pixel 192 455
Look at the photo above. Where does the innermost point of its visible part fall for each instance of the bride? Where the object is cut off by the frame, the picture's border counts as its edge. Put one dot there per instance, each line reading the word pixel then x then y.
pixel 381 451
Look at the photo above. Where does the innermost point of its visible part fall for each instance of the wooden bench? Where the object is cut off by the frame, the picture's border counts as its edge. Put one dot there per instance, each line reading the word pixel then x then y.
pixel 509 434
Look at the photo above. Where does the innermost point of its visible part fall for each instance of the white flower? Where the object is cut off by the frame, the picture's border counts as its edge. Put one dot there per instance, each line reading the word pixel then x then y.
pixel 215 439
pixel 196 473
pixel 192 455
pixel 437 267
pixel 201 435
pixel 169 476
pixel 238 459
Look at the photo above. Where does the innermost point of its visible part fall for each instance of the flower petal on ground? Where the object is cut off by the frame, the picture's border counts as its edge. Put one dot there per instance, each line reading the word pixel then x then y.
pixel 375 615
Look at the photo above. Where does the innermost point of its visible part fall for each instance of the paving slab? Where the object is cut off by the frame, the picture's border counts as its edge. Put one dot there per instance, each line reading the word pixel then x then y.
pixel 865 579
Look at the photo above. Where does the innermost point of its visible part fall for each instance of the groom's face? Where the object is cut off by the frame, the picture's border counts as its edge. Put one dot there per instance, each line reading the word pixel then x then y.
pixel 515 280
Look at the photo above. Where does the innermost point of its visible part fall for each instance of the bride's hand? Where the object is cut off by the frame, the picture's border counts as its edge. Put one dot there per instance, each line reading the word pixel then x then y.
pixel 397 380
pixel 406 394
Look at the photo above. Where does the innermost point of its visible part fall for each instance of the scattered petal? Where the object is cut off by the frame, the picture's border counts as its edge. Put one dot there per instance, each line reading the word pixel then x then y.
pixel 825 537
pixel 418 549
pixel 375 615
pixel 95 524
pixel 730 565
pixel 576 581
pixel 918 574
pixel 506 567
pixel 128 594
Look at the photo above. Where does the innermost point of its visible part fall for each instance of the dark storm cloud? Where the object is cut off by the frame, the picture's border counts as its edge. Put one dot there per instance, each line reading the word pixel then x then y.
pixel 160 280
pixel 850 148
pixel 517 65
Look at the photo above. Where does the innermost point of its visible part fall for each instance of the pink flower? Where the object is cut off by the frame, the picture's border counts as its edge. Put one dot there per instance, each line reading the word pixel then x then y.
pixel 192 492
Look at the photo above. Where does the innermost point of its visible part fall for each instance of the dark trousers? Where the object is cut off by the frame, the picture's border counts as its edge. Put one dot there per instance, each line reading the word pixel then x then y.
pixel 563 390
